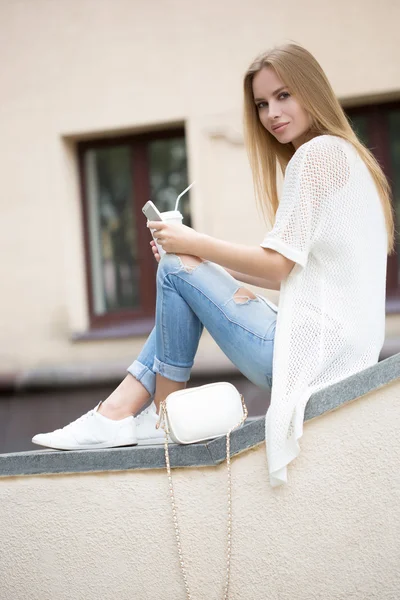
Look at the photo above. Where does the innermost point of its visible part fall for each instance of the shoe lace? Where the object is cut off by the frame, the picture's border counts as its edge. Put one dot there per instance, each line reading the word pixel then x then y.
pixel 84 417
pixel 139 418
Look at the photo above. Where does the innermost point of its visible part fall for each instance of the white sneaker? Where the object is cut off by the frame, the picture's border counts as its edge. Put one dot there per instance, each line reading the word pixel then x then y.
pixel 147 434
pixel 91 430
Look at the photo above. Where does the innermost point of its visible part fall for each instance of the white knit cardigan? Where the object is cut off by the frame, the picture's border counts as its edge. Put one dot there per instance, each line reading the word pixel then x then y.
pixel 331 315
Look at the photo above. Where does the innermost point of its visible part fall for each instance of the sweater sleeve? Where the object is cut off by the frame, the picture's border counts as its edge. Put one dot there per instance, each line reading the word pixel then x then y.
pixel 316 171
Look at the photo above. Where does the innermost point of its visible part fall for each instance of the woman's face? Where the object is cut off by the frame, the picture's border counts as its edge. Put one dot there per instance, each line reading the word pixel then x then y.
pixel 276 107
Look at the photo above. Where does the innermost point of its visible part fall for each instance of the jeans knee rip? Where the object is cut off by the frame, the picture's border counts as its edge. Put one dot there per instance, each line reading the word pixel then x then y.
pixel 243 299
pixel 189 268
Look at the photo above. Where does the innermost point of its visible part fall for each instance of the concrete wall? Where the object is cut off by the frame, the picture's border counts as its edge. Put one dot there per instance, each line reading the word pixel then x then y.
pixel 77 70
pixel 332 532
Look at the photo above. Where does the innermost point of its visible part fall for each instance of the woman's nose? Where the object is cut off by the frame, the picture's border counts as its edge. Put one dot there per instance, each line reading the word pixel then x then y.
pixel 274 111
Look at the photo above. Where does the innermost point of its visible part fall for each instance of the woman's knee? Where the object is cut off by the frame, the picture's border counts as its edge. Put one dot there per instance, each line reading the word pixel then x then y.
pixel 173 263
pixel 168 264
pixel 189 262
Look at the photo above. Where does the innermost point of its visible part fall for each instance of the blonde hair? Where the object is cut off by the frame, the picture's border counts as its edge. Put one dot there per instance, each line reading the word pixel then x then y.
pixel 306 80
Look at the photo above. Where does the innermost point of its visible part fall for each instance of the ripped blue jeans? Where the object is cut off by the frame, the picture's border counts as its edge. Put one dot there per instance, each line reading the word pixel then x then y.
pixel 190 298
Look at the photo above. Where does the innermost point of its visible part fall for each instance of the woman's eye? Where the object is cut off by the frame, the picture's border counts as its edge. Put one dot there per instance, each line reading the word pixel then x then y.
pixel 284 94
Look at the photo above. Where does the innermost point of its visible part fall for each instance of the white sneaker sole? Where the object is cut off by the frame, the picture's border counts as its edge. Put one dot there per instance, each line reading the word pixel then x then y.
pixel 85 446
pixel 153 441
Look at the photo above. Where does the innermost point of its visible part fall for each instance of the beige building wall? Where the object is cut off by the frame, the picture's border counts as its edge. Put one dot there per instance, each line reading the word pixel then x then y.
pixel 331 533
pixel 76 70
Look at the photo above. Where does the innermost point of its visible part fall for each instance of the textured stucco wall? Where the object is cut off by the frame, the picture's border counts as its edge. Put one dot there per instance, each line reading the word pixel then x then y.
pixel 72 70
pixel 331 533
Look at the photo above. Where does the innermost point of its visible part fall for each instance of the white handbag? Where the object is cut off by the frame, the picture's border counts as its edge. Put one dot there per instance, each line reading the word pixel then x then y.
pixel 202 413
pixel 194 415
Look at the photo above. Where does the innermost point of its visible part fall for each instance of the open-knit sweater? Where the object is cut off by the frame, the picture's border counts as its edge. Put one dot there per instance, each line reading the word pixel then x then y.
pixel 331 314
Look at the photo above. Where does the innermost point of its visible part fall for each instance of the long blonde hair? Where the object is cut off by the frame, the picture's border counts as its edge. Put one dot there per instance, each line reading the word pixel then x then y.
pixel 306 80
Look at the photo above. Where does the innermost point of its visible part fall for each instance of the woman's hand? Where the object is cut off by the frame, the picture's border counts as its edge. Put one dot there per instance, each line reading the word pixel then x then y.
pixel 175 237
pixel 155 251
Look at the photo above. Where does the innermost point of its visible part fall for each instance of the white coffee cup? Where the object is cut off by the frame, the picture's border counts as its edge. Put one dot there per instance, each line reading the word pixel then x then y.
pixel 169 216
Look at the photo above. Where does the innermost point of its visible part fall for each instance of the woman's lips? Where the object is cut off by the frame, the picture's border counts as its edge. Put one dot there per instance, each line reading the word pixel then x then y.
pixel 282 127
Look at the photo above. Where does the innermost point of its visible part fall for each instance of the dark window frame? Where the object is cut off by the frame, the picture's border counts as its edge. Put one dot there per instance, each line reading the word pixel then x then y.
pixel 378 133
pixel 139 320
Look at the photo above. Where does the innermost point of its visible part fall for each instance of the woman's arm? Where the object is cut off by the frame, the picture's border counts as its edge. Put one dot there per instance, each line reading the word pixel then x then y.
pixel 265 264
pixel 258 281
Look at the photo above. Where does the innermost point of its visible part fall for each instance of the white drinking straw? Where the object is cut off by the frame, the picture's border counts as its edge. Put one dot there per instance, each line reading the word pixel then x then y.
pixel 180 195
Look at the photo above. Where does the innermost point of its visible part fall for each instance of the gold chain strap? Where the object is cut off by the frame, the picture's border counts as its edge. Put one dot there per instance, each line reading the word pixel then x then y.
pixel 163 417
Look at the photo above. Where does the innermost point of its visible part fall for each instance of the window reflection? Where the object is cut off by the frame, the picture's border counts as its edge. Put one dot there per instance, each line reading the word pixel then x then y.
pixel 110 196
pixel 112 239
pixel 168 175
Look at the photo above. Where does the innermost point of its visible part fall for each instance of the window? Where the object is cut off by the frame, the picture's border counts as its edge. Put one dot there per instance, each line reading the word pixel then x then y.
pixel 117 177
pixel 378 126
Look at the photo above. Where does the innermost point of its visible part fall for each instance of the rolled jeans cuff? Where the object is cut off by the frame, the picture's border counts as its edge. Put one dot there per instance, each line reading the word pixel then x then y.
pixel 143 374
pixel 181 374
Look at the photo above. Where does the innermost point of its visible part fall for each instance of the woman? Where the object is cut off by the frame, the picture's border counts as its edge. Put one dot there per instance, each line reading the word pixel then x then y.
pixel 327 253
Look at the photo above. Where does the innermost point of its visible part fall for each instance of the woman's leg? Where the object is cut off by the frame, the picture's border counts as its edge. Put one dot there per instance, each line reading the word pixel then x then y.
pixel 193 294
pixel 189 298
pixel 137 389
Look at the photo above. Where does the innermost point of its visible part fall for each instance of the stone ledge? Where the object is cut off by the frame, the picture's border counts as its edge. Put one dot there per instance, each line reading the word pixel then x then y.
pixel 252 433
